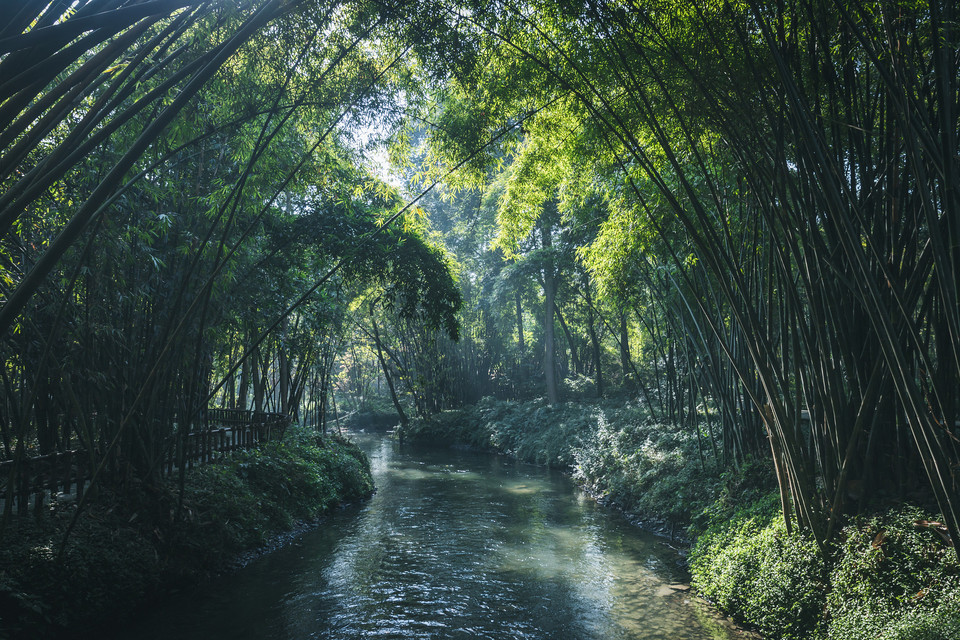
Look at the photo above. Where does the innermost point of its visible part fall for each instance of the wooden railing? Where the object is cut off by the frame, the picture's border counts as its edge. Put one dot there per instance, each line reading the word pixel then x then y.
pixel 226 430
pixel 25 484
pixel 33 479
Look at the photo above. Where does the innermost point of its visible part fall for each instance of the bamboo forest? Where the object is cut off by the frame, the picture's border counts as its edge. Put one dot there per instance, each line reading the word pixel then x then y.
pixel 506 319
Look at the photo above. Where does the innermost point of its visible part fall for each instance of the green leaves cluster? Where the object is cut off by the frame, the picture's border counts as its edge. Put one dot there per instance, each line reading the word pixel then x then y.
pixel 891 576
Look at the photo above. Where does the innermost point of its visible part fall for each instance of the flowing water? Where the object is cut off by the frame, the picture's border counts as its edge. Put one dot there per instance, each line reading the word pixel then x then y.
pixel 453 545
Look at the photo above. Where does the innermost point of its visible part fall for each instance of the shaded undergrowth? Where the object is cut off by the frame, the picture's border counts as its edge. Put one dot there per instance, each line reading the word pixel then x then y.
pixel 124 549
pixel 891 576
pixel 652 471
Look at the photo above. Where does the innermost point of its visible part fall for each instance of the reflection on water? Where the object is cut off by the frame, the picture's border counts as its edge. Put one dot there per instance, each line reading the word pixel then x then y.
pixel 453 545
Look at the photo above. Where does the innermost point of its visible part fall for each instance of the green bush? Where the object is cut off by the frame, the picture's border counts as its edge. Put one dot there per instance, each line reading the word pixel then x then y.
pixel 651 470
pixel 888 579
pixel 456 426
pixel 374 411
pixel 220 511
pixel 938 621
pixel 250 495
pixel 531 431
pixel 122 549
pixel 751 483
pixel 105 565
pixel 894 580
pixel 751 568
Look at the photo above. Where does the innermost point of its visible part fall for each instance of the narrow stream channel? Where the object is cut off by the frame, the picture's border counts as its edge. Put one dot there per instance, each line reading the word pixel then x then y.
pixel 453 545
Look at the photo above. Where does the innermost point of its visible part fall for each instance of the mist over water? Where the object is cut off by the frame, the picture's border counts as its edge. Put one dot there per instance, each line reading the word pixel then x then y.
pixel 453 545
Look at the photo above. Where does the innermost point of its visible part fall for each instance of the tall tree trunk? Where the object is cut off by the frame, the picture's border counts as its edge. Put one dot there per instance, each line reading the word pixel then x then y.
pixel 244 382
pixel 577 364
pixel 284 382
pixel 594 341
pixel 259 381
pixel 321 419
pixel 521 369
pixel 386 374
pixel 520 340
pixel 549 348
pixel 624 344
pixel 231 393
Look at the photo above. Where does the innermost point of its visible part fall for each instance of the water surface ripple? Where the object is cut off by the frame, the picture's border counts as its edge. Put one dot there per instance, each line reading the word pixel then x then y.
pixel 453 545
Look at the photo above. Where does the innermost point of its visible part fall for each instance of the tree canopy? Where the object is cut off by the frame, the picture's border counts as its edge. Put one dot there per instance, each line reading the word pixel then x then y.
pixel 749 211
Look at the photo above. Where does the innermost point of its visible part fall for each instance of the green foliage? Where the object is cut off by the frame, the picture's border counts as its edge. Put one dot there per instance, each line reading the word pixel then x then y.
pixel 415 275
pixel 578 388
pixel 746 486
pixel 455 426
pixel 372 411
pixel 935 620
pixel 253 494
pixel 106 566
pixel 222 510
pixel 122 550
pixel 532 431
pixel 749 567
pixel 648 469
pixel 889 578
pixel 894 579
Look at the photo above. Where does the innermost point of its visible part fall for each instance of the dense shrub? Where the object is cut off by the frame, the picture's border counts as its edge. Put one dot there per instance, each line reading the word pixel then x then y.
pixel 649 469
pixel 750 567
pixel 749 485
pixel 888 578
pixel 251 495
pixel 121 550
pixel 895 579
pixel 457 427
pixel 106 564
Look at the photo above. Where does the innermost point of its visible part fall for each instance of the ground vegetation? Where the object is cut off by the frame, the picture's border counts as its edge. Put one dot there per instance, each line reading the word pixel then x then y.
pixel 127 551
pixel 891 575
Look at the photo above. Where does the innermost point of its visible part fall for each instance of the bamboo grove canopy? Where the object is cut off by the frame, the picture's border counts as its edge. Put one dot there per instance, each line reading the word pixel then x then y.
pixel 786 173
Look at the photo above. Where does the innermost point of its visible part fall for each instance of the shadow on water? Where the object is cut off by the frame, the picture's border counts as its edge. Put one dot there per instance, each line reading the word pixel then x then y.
pixel 453 545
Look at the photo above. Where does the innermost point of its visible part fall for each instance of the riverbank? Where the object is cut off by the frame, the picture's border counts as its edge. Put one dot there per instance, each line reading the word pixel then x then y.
pixel 889 576
pixel 124 551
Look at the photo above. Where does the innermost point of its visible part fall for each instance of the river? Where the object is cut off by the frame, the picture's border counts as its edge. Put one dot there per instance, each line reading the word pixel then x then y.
pixel 453 545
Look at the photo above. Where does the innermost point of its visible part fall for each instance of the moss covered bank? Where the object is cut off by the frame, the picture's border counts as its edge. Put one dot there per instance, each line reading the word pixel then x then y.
pixel 889 576
pixel 123 551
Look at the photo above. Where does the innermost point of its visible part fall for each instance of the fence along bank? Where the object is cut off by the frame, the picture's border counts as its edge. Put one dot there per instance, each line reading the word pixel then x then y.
pixel 27 481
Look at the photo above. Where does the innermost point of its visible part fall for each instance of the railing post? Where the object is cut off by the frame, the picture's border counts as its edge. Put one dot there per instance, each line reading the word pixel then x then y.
pixel 81 474
pixel 24 486
pixel 39 486
pixel 67 484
